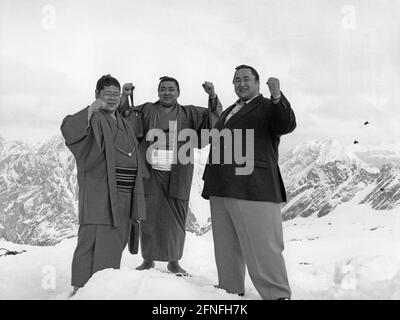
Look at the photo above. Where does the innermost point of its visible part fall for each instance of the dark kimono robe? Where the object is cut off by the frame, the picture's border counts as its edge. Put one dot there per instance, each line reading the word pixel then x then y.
pixel 167 192
pixel 104 213
pixel 93 148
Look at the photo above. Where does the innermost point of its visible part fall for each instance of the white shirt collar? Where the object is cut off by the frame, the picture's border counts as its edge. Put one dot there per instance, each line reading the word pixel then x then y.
pixel 248 101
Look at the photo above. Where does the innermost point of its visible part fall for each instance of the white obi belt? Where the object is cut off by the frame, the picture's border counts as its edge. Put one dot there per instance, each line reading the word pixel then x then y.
pixel 161 159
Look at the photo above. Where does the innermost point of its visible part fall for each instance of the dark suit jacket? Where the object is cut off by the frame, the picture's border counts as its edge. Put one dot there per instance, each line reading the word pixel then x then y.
pixel 265 183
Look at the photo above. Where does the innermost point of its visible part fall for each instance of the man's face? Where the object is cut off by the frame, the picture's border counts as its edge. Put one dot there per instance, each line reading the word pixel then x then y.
pixel 168 93
pixel 246 85
pixel 111 96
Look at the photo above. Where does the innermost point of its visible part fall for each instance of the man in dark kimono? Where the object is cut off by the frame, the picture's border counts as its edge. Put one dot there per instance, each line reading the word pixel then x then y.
pixel 168 189
pixel 246 208
pixel 110 178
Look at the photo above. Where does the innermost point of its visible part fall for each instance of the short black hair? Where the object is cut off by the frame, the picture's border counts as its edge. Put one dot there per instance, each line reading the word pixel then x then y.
pixel 253 71
pixel 106 81
pixel 167 78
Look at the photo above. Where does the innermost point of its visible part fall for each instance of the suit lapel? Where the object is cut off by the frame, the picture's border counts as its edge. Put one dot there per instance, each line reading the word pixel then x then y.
pixel 220 123
pixel 242 112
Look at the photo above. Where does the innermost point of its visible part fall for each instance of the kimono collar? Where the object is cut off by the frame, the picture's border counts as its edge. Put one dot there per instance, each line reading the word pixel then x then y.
pixel 117 120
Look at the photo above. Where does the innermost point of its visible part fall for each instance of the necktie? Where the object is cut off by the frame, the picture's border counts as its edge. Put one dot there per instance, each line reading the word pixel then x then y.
pixel 234 110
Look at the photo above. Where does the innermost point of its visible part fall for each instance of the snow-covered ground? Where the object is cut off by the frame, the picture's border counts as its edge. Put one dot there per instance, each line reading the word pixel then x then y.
pixel 352 253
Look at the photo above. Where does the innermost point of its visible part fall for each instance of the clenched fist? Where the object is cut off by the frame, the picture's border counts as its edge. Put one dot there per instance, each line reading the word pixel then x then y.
pixel 97 105
pixel 274 87
pixel 127 89
pixel 209 89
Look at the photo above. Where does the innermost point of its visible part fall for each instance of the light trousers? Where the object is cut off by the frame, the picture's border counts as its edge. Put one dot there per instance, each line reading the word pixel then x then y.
pixel 249 233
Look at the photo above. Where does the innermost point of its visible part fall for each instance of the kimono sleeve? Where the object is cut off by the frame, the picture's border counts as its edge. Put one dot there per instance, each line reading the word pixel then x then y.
pixel 134 115
pixel 205 118
pixel 84 138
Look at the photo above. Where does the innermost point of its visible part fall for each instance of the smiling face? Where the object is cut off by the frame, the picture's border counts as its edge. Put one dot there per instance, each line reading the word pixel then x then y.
pixel 111 96
pixel 246 85
pixel 168 93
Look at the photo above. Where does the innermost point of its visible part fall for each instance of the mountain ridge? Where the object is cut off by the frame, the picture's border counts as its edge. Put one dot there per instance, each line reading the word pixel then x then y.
pixel 39 193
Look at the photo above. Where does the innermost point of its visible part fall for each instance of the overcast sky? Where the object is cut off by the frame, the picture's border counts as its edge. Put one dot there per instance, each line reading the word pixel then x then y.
pixel 338 61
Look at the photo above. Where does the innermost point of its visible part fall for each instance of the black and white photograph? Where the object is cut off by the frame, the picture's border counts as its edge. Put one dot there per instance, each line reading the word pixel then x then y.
pixel 199 150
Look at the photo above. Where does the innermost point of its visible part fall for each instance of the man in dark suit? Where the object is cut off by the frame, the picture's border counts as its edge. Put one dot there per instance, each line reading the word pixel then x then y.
pixel 246 208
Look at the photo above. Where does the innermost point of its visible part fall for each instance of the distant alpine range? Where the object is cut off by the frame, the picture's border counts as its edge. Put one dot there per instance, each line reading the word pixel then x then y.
pixel 38 189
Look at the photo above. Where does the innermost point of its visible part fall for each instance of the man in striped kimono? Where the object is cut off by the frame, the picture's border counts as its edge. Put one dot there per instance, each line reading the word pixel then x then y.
pixel 168 189
pixel 110 178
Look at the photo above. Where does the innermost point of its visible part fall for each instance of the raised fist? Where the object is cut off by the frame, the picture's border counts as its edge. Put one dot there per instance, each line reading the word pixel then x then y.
pixel 209 89
pixel 127 89
pixel 97 105
pixel 274 87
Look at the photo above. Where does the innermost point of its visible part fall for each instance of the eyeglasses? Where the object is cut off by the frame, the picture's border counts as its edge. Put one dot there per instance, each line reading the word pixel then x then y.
pixel 109 94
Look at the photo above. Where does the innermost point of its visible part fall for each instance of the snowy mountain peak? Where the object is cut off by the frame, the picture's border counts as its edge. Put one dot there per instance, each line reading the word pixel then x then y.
pixel 306 145
pixel 307 155
pixel 322 152
pixel 333 150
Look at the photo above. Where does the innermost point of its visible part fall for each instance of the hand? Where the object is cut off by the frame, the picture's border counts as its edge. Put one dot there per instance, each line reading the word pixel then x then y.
pixel 209 89
pixel 97 105
pixel 127 89
pixel 274 87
